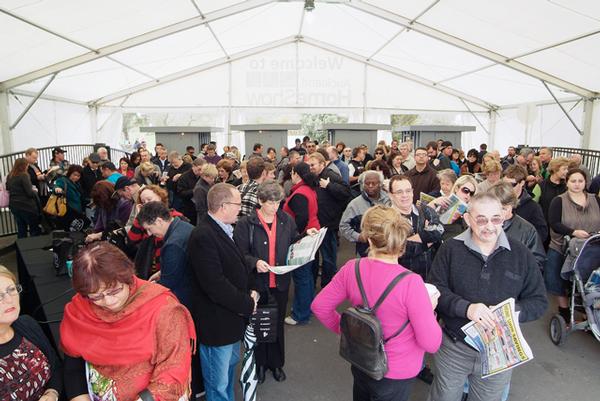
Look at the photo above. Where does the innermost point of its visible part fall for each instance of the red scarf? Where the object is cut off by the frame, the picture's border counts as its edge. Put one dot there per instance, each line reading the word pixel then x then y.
pixel 126 337
pixel 272 235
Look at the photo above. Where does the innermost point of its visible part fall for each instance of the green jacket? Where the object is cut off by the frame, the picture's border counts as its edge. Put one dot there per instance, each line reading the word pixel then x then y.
pixel 73 192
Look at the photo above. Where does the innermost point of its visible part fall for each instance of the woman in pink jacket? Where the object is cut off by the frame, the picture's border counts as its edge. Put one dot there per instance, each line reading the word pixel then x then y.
pixel 386 232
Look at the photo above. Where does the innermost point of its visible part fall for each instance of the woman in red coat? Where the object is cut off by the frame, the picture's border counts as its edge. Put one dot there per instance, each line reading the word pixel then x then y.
pixel 302 206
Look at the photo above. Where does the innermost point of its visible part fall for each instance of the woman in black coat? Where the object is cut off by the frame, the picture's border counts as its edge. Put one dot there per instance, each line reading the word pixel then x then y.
pixel 264 238
pixel 23 200
pixel 25 352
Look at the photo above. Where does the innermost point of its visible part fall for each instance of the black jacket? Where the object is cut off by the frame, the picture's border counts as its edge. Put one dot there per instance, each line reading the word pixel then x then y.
pixel 531 211
pixel 31 330
pixel 463 277
pixel 88 179
pixel 521 230
pixel 199 197
pixel 252 239
pixel 332 200
pixel 220 287
pixel 550 191
pixel 185 190
pixel 22 197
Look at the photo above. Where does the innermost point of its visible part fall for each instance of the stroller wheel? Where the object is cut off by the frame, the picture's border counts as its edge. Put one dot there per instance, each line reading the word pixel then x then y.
pixel 558 330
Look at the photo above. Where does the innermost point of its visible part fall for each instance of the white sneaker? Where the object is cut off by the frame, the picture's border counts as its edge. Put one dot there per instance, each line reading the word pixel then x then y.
pixel 290 320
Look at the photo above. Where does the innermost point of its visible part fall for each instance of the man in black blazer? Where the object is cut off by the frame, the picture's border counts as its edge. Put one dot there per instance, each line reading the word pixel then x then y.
pixel 222 299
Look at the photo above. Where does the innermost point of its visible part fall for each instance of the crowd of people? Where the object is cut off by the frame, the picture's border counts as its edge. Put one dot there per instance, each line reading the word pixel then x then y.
pixel 204 231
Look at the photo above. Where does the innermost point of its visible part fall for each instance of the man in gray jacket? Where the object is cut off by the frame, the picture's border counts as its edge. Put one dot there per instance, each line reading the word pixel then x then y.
pixel 371 185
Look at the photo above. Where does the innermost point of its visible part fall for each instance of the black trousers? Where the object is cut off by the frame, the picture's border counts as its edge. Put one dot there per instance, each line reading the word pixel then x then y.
pixel 272 355
pixel 368 389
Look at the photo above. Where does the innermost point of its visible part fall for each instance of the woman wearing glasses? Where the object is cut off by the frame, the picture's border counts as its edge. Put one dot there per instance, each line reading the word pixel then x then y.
pixel 264 238
pixel 29 368
pixel 464 188
pixel 123 338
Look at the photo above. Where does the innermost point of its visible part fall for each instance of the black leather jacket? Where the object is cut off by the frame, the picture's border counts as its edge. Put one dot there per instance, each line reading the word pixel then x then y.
pixel 523 231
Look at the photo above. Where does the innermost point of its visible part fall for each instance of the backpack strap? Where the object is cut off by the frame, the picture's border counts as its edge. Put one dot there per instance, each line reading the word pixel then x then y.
pixel 389 289
pixel 360 284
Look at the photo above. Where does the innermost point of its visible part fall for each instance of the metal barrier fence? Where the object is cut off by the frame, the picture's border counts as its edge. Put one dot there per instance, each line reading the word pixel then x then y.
pixel 74 154
pixel 590 158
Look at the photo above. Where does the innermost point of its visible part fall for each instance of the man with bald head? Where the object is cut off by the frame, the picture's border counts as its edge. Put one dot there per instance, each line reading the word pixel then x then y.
pixel 474 271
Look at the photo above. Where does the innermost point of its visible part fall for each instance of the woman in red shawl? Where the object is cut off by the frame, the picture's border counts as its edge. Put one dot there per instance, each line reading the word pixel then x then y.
pixel 124 339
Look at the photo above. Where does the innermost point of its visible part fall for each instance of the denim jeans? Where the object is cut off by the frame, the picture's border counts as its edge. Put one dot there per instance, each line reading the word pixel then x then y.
pixel 26 220
pixel 304 292
pixel 328 251
pixel 555 284
pixel 218 370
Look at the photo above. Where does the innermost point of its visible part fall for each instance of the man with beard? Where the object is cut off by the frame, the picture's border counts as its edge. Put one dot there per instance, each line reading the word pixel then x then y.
pixel 476 270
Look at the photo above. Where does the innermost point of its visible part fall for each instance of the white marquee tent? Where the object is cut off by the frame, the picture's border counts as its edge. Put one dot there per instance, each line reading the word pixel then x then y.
pixel 520 71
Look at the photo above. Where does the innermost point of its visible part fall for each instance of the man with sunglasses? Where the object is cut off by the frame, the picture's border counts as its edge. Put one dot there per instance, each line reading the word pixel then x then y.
pixel 527 208
pixel 474 271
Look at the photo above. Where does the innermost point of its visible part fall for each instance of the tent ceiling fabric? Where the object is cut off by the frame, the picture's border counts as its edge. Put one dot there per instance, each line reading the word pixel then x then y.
pixel 349 54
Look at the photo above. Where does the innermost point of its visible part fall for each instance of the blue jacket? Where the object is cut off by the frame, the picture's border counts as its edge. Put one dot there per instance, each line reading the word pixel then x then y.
pixel 344 171
pixel 174 272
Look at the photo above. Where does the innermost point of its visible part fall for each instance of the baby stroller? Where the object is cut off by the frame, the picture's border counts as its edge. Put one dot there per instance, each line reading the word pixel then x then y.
pixel 582 258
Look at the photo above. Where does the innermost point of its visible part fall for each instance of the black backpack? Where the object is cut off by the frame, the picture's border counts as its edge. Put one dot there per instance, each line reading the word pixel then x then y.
pixel 361 341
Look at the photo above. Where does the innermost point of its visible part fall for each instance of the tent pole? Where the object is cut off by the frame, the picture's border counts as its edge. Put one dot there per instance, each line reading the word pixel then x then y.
pixel 94 123
pixel 492 135
pixel 562 108
pixel 364 111
pixel 588 113
pixel 229 97
pixel 6 145
pixel 30 105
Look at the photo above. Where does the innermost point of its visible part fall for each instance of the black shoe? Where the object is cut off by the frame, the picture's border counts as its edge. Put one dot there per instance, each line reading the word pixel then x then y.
pixel 566 314
pixel 426 375
pixel 260 374
pixel 279 374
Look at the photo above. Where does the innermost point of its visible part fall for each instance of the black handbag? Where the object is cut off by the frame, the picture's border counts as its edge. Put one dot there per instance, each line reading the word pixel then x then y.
pixel 265 323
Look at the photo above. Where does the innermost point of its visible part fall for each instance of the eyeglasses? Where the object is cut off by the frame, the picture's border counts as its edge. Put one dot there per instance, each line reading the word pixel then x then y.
pixel 467 191
pixel 514 184
pixel 231 203
pixel 483 221
pixel 401 192
pixel 101 296
pixel 11 291
pixel 378 153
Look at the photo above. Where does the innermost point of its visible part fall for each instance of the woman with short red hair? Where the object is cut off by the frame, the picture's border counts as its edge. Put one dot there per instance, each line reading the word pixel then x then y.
pixel 124 338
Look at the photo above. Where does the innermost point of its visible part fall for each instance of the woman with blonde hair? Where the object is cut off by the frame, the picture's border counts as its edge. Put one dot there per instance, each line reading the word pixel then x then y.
pixel 464 188
pixel 386 232
pixel 148 174
pixel 555 184
pixel 535 178
pixel 492 169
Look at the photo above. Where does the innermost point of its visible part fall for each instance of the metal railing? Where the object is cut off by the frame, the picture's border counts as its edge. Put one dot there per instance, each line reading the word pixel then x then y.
pixel 590 158
pixel 74 154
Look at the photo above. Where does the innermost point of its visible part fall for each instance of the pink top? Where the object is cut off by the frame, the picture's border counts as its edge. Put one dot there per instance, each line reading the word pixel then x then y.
pixel 408 300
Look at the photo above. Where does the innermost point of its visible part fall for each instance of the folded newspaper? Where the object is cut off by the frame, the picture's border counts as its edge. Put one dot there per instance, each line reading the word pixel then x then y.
pixel 301 252
pixel 502 348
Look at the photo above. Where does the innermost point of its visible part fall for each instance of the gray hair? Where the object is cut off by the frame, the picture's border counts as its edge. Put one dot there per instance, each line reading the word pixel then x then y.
pixel 447 174
pixel 368 173
pixel 270 190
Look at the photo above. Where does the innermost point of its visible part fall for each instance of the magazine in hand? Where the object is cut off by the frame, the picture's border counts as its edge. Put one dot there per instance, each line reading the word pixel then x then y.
pixel 502 348
pixel 451 212
pixel 301 252
pixel 425 198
